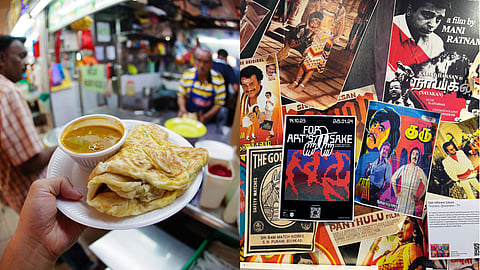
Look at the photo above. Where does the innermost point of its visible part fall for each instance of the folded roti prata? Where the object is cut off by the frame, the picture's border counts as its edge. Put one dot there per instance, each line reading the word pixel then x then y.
pixel 146 174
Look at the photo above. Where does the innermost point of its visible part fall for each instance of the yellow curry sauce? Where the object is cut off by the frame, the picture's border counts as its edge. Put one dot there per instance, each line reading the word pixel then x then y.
pixel 91 139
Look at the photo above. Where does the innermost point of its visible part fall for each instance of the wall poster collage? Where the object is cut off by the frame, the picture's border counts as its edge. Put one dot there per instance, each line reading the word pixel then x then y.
pixel 359 134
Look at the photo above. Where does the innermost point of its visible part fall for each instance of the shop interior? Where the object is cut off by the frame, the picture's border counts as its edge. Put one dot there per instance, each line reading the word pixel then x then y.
pixel 125 58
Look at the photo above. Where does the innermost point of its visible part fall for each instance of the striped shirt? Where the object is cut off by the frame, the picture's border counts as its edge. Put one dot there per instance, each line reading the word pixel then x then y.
pixel 19 141
pixel 214 83
pixel 406 181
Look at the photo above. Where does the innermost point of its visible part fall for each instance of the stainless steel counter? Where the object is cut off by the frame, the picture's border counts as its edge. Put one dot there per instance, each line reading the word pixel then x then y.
pixel 214 132
pixel 153 117
pixel 212 218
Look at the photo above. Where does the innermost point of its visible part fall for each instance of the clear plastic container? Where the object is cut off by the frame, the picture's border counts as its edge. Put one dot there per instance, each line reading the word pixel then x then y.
pixel 130 89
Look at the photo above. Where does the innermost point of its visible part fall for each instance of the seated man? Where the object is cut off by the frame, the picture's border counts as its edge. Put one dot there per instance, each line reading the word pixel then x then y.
pixel 202 89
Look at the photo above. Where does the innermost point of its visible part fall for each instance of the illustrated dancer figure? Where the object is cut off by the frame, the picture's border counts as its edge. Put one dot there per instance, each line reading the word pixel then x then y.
pixel 326 21
pixel 292 164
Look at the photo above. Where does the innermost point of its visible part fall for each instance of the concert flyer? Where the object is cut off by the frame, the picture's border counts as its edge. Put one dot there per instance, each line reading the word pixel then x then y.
pixel 260 107
pixel 317 168
pixel 428 63
pixel 393 170
pixel 265 233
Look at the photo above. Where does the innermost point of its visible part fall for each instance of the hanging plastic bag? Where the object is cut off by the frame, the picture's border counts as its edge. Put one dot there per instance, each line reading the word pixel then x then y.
pixel 60 69
pixel 82 24
pixel 108 83
pixel 55 75
pixel 87 40
pixel 58 43
pixel 36 48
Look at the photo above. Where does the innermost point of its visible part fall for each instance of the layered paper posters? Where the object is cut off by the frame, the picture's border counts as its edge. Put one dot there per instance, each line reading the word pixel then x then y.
pixel 429 60
pixel 325 253
pixel 406 249
pixel 265 233
pixel 366 226
pixel 255 18
pixel 353 103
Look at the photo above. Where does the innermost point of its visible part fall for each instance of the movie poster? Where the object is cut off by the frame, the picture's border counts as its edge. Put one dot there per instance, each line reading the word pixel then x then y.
pixel 393 169
pixel 353 102
pixel 370 62
pixel 260 107
pixel 315 42
pixel 430 56
pixel 366 226
pixel 406 249
pixel 455 161
pixel 255 18
pixel 264 232
pixel 317 183
pixel 243 191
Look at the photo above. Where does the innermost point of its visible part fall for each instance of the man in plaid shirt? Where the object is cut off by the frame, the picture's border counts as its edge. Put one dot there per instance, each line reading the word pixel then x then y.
pixel 23 157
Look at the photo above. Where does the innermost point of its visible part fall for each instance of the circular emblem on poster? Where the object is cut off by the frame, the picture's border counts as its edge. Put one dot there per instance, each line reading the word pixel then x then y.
pixel 258 226
pixel 269 198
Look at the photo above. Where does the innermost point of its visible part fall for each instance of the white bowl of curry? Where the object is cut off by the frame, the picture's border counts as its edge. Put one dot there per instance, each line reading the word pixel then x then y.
pixel 91 139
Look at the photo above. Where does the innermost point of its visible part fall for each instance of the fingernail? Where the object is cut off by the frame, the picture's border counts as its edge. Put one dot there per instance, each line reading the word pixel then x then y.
pixel 81 190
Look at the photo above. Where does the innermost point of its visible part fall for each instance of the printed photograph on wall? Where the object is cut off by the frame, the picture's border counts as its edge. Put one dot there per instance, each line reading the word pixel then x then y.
pixel 432 46
pixel 393 170
pixel 315 42
pixel 260 108
pixel 455 162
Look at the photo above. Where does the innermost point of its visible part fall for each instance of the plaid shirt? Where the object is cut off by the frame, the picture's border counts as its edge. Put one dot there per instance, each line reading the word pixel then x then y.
pixel 19 141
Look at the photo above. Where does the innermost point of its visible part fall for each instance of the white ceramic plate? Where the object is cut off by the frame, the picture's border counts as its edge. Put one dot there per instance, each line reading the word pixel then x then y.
pixel 62 165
